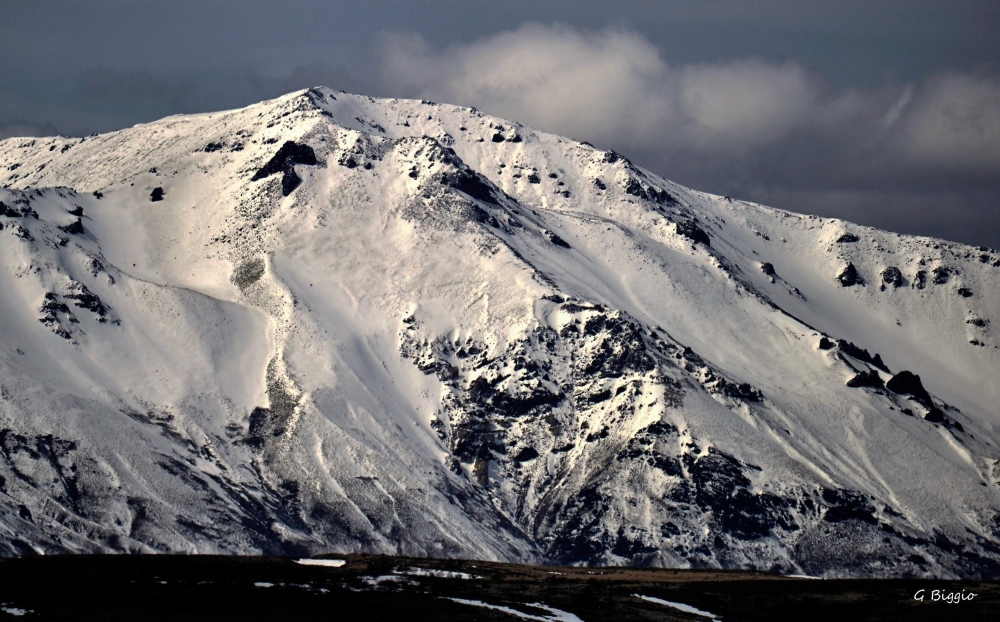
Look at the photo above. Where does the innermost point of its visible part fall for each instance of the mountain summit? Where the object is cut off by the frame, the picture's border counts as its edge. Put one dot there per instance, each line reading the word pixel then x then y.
pixel 329 322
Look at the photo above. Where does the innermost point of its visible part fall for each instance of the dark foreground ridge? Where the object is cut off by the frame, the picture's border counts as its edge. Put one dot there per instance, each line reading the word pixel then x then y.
pixel 370 588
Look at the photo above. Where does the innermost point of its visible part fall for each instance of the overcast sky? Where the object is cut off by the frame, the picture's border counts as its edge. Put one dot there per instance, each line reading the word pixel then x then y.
pixel 884 112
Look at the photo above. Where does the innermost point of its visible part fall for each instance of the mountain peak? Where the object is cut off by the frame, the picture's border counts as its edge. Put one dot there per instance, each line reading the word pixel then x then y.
pixel 335 322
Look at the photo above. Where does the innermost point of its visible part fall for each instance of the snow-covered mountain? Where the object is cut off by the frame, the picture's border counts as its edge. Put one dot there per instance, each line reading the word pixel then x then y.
pixel 330 322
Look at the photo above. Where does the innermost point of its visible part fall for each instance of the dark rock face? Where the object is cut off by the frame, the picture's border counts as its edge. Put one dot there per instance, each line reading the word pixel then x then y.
pixel 76 211
pixel 44 461
pixel 825 344
pixel 940 275
pixel 290 153
pixel 720 486
pixel 869 379
pixel 860 354
pixel 533 178
pixel 650 193
pixel 465 180
pixel 284 161
pixel 767 269
pixel 85 299
pixel 849 276
pixel 742 391
pixel 920 279
pixel 691 230
pixel 525 455
pixel 848 505
pixel 847 238
pixel 49 314
pixel 555 239
pixel 908 383
pixel 290 180
pixel 934 415
pixel 892 276
pixel 964 292
pixel 610 157
pixel 74 228
pixel 156 194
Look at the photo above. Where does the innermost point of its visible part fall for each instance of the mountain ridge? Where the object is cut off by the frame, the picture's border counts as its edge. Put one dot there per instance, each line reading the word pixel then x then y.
pixel 569 357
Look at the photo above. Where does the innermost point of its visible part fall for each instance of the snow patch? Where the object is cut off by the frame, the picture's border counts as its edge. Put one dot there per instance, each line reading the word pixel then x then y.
pixel 557 614
pixel 679 607
pixel 328 563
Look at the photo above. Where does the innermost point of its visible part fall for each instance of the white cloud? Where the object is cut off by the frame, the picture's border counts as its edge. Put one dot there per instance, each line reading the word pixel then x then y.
pixel 613 88
pixel 953 122
pixel 598 86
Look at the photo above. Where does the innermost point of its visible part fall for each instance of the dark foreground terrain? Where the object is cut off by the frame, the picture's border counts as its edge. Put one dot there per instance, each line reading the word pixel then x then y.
pixel 394 588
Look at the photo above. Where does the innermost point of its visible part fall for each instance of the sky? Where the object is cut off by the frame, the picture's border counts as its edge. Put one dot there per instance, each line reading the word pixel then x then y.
pixel 886 113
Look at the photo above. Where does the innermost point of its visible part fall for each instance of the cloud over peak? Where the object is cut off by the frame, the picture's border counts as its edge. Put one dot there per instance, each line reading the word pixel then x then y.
pixel 745 127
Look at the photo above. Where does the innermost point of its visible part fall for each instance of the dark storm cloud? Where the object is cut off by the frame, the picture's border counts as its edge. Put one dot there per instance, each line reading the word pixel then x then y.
pixel 885 113
pixel 9 129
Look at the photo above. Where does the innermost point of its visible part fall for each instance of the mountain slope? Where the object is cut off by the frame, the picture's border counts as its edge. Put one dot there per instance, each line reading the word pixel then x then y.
pixel 332 322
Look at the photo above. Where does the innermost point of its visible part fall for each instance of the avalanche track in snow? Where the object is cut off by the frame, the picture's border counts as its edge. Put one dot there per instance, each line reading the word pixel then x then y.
pixel 329 322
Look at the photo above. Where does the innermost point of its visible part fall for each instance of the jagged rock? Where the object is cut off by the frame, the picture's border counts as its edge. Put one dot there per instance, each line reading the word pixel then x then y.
pixel 284 161
pixel 471 184
pixel 869 379
pixel 847 238
pixel 74 228
pixel 767 269
pixel 555 239
pixel 85 299
pixel 892 276
pixel 940 275
pixel 156 194
pixel 848 505
pixel 691 230
pixel 860 354
pixel 825 344
pixel 76 211
pixel 908 383
pixel 49 315
pixel 290 180
pixel 935 415
pixel 525 455
pixel 964 292
pixel 920 279
pixel 849 276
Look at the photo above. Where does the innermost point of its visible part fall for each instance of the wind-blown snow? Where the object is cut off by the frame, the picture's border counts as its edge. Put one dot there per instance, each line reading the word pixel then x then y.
pixel 332 322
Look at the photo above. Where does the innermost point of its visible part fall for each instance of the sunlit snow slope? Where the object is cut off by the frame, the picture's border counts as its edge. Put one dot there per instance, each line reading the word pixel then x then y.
pixel 331 322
